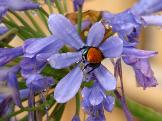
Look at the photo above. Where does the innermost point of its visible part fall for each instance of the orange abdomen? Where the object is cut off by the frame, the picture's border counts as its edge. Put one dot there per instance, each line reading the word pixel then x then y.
pixel 94 55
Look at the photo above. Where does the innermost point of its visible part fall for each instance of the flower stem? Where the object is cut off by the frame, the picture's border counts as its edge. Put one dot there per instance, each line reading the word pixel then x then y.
pixel 23 22
pixel 22 33
pixel 42 17
pixel 59 6
pixel 79 19
pixel 34 22
pixel 50 6
pixel 44 12
pixel 65 5
pixel 41 107
pixel 77 103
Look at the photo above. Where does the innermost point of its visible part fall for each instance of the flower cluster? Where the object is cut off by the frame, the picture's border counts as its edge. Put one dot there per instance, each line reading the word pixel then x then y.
pixel 81 55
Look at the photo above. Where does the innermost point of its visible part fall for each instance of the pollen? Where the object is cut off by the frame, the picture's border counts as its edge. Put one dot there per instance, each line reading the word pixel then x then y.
pixel 94 55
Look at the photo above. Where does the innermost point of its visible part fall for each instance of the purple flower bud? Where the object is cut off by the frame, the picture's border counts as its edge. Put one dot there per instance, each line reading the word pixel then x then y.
pixel 77 4
pixel 76 118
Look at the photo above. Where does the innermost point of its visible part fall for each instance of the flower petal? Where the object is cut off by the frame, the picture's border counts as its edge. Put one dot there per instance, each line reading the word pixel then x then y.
pixel 13 84
pixel 21 5
pixel 145 7
pixel 37 82
pixel 109 103
pixel 68 86
pixel 64 30
pixel 3 10
pixel 154 20
pixel 145 81
pixel 95 97
pixel 24 93
pixel 41 45
pixel 3 73
pixel 131 51
pixel 96 34
pixel 30 66
pixel 63 60
pixel 105 78
pixel 112 47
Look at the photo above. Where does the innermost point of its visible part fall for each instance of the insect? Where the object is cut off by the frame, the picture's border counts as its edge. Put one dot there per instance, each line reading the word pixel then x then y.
pixel 93 56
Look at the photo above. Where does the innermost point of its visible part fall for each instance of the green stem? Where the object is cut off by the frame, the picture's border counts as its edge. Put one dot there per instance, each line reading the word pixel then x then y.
pixel 65 5
pixel 50 6
pixel 142 112
pixel 5 45
pixel 22 33
pixel 43 18
pixel 79 19
pixel 41 107
pixel 15 24
pixel 34 22
pixel 44 12
pixel 23 21
pixel 59 6
pixel 77 103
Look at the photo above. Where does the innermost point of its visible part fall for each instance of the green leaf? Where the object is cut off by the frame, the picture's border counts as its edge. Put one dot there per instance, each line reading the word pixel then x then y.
pixel 57 74
pixel 142 112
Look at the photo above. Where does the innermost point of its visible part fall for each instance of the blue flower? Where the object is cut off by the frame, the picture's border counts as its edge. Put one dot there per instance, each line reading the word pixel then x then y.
pixel 9 75
pixel 139 61
pixel 37 82
pixel 77 4
pixel 95 113
pixel 17 5
pixel 95 95
pixel 145 7
pixel 36 52
pixel 5 105
pixel 143 72
pixel 132 20
pixel 8 54
pixel 65 31
pixel 128 25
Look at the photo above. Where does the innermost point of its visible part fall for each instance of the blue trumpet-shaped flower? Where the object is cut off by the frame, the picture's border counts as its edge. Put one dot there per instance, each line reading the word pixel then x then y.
pixel 38 82
pixel 95 101
pixel 143 72
pixel 65 31
pixel 36 52
pixel 132 20
pixel 95 95
pixel 17 5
